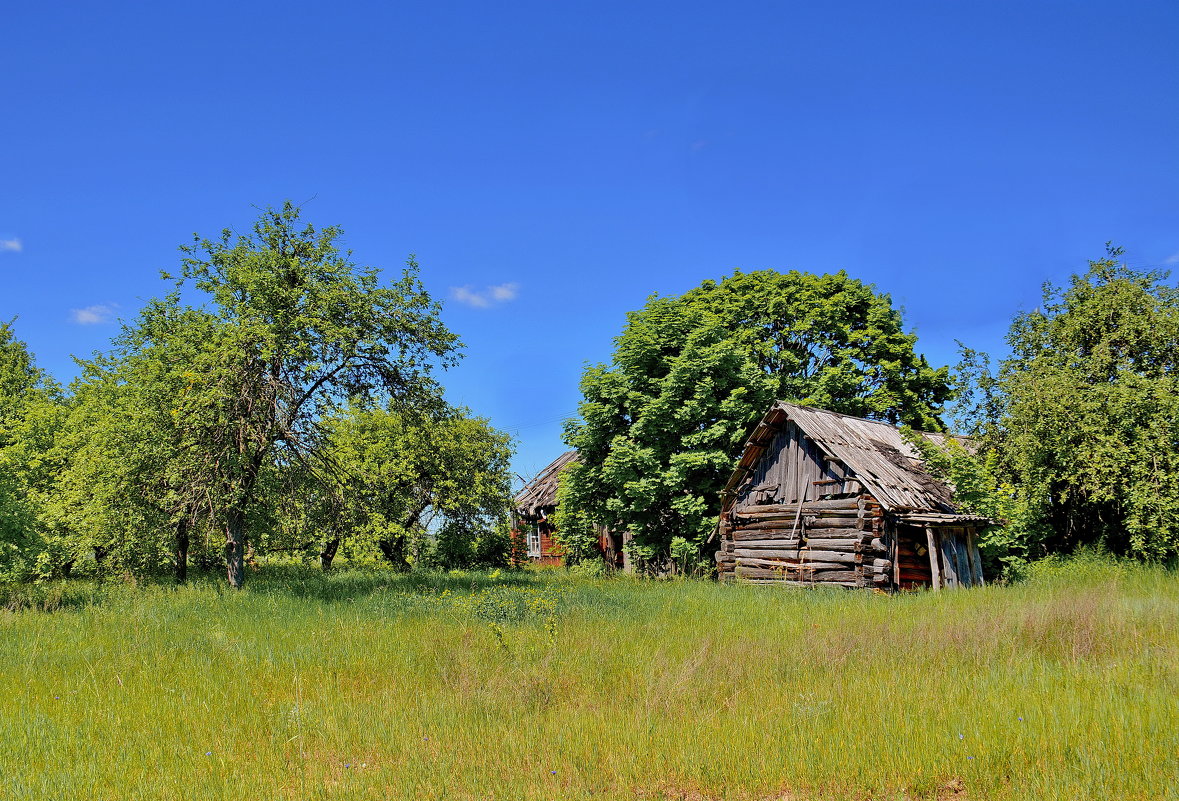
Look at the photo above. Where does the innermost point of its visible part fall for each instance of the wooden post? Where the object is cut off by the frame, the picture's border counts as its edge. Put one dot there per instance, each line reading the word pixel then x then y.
pixel 889 530
pixel 961 566
pixel 975 558
pixel 934 570
pixel 949 558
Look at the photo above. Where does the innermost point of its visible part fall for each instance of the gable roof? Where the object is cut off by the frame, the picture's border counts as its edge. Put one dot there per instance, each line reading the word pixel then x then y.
pixel 541 491
pixel 888 467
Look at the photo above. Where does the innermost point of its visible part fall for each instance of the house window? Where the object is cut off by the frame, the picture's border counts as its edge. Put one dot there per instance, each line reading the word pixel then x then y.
pixel 534 541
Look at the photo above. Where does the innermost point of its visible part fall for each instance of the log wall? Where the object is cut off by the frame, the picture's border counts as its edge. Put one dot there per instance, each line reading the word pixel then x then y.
pixel 794 516
pixel 836 540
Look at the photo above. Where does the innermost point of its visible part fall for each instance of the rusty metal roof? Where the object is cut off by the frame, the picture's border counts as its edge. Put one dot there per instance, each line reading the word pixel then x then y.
pixel 541 491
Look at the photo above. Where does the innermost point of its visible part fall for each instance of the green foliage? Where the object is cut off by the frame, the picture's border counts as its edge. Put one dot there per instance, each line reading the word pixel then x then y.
pixel 31 413
pixel 303 331
pixel 575 529
pixel 981 488
pixel 829 341
pixel 135 471
pixel 208 427
pixel 429 484
pixel 660 425
pixel 1084 414
pixel 658 428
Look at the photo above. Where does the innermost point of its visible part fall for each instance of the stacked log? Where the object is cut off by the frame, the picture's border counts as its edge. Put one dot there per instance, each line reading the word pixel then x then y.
pixel 913 561
pixel 830 541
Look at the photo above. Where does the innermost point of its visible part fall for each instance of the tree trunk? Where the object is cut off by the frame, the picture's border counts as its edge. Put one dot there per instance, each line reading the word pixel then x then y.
pixel 329 553
pixel 182 553
pixel 235 524
pixel 235 549
pixel 394 550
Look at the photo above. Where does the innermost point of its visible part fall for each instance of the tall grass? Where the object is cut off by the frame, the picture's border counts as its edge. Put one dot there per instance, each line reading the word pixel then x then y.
pixel 372 685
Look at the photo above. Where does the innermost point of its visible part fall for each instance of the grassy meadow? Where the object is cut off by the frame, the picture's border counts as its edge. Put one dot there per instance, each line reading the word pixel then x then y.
pixel 542 685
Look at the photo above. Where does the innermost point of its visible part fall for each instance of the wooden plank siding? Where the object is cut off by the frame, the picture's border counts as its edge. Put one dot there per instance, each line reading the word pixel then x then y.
pixel 799 511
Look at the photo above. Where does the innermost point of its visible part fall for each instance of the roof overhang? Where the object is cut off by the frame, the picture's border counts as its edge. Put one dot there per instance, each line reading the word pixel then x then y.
pixel 943 519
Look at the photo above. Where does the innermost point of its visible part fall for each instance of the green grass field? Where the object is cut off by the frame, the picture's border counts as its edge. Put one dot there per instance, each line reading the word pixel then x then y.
pixel 545 686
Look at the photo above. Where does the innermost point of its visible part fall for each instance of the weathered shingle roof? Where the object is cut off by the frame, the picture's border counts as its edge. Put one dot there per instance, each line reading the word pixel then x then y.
pixel 875 451
pixel 541 492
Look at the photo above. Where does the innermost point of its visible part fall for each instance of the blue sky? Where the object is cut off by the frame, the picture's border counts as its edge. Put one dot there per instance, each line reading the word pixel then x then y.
pixel 554 163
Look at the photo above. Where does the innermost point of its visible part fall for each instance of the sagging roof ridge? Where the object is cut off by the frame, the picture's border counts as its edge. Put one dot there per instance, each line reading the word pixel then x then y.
pixel 865 447
pixel 541 491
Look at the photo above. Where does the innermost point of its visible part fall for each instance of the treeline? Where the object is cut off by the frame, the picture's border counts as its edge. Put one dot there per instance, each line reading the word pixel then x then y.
pixel 1076 433
pixel 283 400
pixel 280 399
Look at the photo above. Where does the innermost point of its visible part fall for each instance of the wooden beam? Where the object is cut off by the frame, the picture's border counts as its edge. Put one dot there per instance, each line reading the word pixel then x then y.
pixel 949 558
pixel 935 571
pixel 975 558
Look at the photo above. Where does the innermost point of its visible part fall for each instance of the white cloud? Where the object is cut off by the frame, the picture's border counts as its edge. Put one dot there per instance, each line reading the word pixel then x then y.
pixel 504 292
pixel 486 297
pixel 93 315
pixel 11 245
pixel 1172 259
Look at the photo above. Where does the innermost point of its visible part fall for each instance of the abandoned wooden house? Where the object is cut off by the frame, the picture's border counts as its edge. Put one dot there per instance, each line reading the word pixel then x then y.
pixel 824 498
pixel 532 519
pixel 534 505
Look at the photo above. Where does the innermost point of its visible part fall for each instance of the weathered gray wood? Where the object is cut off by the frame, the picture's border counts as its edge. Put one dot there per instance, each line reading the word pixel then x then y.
pixel 766 534
pixel 788 583
pixel 833 514
pixel 840 523
pixel 779 524
pixel 950 572
pixel 843 536
pixel 833 556
pixel 844 577
pixel 839 533
pixel 949 568
pixel 756 544
pixel 975 558
pixel 968 556
pixel 800 565
pixel 892 543
pixel 846 546
pixel 961 562
pixel 744 571
pixel 837 575
pixel 766 553
pixel 933 558
pixel 792 508
pixel 763 534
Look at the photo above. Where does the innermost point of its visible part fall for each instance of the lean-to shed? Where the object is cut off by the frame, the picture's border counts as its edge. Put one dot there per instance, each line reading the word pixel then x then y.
pixel 531 519
pixel 824 498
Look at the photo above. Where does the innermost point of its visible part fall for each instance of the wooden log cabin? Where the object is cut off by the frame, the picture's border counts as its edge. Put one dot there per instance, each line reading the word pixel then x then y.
pixel 532 525
pixel 824 498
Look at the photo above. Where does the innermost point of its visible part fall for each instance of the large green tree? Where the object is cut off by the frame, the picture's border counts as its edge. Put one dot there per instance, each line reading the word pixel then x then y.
pixel 137 485
pixel 286 331
pixel 1083 416
pixel 31 413
pixel 403 484
pixel 829 341
pixel 660 425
